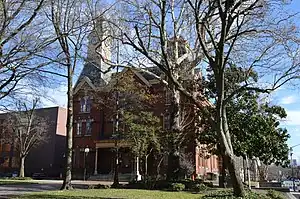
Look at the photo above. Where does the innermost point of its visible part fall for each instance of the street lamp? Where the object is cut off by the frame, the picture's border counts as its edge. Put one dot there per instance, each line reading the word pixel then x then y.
pixel 291 152
pixel 86 151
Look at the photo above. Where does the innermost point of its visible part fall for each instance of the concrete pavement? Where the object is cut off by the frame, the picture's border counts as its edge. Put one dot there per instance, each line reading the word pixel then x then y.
pixel 7 191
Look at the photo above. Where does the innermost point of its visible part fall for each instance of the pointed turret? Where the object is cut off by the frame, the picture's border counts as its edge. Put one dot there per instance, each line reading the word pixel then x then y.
pixel 99 44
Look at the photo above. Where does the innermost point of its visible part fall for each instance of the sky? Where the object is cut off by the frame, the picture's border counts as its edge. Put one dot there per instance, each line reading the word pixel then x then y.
pixel 287 96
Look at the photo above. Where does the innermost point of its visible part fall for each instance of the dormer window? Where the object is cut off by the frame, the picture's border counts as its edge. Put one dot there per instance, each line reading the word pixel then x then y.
pixel 85 104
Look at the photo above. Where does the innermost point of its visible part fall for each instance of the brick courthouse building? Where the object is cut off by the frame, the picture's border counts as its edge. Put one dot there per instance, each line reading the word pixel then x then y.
pixel 94 126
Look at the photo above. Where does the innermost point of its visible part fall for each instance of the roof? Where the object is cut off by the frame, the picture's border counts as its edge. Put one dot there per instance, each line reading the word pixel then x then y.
pixel 154 70
pixel 93 73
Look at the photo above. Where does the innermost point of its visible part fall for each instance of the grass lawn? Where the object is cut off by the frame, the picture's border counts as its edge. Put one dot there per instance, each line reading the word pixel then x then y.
pixel 11 181
pixel 112 193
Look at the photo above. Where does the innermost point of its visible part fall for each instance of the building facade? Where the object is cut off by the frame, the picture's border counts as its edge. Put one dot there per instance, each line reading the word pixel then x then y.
pixel 95 120
pixel 48 157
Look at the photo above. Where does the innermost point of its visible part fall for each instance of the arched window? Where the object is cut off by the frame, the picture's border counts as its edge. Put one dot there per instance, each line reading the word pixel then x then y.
pixel 88 104
pixel 82 105
pixel 79 128
pixel 88 130
pixel 85 104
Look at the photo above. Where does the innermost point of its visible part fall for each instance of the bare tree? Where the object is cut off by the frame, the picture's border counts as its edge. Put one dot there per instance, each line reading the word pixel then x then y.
pixel 26 130
pixel 23 39
pixel 70 42
pixel 215 34
pixel 72 30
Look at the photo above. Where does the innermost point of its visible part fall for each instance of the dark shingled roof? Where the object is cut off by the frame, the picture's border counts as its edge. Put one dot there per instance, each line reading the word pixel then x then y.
pixel 93 72
pixel 154 70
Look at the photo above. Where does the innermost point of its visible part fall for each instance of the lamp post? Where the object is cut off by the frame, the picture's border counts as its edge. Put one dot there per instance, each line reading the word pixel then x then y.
pixel 291 153
pixel 86 151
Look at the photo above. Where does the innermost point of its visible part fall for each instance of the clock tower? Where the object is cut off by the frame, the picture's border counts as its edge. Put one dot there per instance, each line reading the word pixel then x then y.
pixel 99 43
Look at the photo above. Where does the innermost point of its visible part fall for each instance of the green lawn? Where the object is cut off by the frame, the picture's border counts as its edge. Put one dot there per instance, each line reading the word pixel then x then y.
pixel 112 193
pixel 10 181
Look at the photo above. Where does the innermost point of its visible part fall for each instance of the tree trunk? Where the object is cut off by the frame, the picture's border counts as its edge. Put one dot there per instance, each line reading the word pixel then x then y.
pixel 146 167
pixel 223 174
pixel 173 166
pixel 248 172
pixel 116 166
pixel 173 157
pixel 234 175
pixel 22 167
pixel 244 169
pixel 256 173
pixel 67 184
pixel 224 134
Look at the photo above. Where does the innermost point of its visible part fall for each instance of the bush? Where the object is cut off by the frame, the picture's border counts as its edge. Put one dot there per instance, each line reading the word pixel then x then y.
pixel 274 194
pixel 200 188
pixel 227 194
pixel 209 184
pixel 162 185
pixel 188 183
pixel 177 187
pixel 136 185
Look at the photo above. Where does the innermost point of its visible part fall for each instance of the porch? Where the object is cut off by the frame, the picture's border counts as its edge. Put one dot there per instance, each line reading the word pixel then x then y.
pixel 105 158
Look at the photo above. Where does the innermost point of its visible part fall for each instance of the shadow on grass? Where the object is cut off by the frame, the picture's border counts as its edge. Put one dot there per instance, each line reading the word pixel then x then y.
pixel 46 196
pixel 16 183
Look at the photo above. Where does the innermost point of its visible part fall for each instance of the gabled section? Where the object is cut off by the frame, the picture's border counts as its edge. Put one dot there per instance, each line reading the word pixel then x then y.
pixel 123 72
pixel 81 82
pixel 141 77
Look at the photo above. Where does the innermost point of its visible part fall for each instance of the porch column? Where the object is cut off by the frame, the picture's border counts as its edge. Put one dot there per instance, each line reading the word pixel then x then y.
pixel 137 174
pixel 96 162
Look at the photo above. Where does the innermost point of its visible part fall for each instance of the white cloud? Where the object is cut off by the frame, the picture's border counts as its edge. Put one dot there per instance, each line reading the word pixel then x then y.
pixel 288 100
pixel 293 118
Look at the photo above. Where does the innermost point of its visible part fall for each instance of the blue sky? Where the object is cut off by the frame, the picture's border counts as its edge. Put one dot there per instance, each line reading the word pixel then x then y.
pixel 288 96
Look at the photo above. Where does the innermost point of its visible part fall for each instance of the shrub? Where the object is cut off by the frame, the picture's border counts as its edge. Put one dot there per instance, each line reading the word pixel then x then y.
pixel 136 185
pixel 274 194
pixel 162 185
pixel 177 187
pixel 200 188
pixel 188 183
pixel 208 184
pixel 227 194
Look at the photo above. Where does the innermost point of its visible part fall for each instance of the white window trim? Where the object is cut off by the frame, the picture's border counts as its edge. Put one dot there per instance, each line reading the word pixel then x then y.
pixel 79 128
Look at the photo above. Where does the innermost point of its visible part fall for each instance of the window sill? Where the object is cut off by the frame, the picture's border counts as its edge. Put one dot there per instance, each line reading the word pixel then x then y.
pixel 82 112
pixel 87 135
pixel 78 136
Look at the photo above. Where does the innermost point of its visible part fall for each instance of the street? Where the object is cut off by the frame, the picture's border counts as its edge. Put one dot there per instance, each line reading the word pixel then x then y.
pixel 7 191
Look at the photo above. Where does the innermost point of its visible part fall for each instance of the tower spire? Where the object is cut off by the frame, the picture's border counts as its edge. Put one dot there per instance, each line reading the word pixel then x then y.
pixel 99 44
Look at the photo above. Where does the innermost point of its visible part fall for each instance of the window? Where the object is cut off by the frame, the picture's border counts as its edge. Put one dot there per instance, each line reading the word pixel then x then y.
pixel 166 121
pixel 79 128
pixel 85 104
pixel 168 96
pixel 88 127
